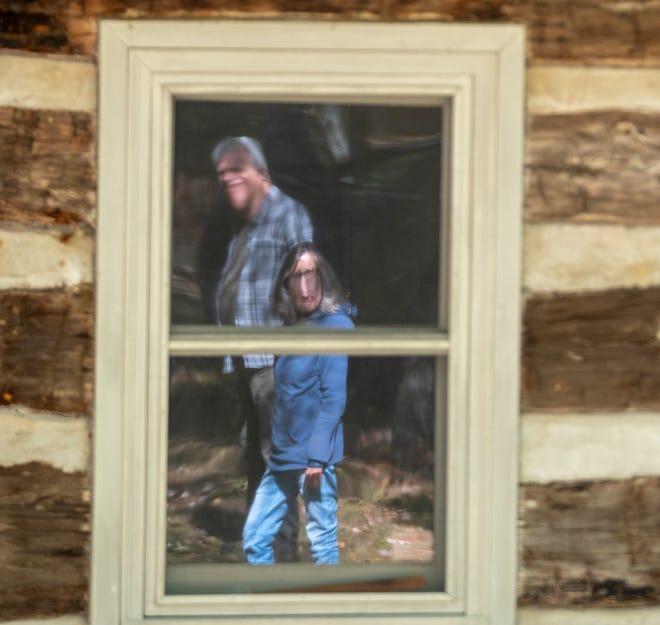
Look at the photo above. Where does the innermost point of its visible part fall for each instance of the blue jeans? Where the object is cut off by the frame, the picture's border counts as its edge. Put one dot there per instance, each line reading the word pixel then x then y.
pixel 258 392
pixel 276 494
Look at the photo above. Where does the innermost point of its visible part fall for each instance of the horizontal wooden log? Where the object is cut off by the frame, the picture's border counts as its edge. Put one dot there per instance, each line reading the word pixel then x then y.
pixel 70 27
pixel 590 543
pixel 44 542
pixel 46 348
pixel 39 28
pixel 568 31
pixel 594 167
pixel 592 351
pixel 47 166
pixel 590 32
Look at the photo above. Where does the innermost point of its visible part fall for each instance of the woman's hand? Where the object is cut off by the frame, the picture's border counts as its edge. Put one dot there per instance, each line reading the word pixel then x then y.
pixel 313 478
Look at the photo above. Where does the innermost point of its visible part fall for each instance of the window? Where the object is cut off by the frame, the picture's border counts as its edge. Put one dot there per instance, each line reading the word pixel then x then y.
pixel 404 142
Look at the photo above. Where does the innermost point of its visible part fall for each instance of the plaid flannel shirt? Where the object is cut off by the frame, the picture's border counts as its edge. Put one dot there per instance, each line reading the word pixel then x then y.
pixel 281 223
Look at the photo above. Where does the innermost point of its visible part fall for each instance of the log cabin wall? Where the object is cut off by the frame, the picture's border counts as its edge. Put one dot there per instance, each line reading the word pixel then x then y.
pixel 589 539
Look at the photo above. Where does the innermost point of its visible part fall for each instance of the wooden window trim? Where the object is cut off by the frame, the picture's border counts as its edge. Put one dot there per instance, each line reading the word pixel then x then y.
pixel 143 66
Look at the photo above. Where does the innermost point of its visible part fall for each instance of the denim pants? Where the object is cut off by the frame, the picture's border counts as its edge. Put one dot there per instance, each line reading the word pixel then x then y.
pixel 276 494
pixel 258 393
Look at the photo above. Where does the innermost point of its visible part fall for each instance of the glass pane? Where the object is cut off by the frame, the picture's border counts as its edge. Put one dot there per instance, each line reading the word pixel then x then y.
pixel 369 178
pixel 390 482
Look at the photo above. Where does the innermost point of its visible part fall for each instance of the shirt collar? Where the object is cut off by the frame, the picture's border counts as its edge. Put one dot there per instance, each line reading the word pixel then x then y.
pixel 266 206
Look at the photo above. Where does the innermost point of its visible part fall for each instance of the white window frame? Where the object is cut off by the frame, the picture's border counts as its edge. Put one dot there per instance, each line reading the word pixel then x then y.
pixel 143 67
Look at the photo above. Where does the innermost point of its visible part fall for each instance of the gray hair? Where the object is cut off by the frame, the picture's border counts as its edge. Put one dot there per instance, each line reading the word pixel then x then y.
pixel 332 296
pixel 251 146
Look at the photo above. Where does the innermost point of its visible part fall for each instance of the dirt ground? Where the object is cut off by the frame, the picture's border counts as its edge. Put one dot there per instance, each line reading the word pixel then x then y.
pixel 385 515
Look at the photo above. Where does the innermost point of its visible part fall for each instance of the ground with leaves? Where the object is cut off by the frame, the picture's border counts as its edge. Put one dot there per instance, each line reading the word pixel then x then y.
pixel 385 515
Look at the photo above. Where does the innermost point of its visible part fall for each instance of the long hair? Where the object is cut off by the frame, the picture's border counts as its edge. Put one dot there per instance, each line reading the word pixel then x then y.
pixel 332 296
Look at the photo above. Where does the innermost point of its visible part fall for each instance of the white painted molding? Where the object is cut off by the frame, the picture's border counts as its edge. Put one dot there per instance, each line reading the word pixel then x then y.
pixel 590 446
pixel 47 83
pixel 580 257
pixel 41 260
pixel 612 616
pixel 31 436
pixel 576 89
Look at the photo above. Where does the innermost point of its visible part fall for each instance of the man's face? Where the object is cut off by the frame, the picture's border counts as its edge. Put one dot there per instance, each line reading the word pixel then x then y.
pixel 305 285
pixel 244 185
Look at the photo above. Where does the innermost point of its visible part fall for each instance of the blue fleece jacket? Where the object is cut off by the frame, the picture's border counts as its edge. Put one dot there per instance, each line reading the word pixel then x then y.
pixel 310 396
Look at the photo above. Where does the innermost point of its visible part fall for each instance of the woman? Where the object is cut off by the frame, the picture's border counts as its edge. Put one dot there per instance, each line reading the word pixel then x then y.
pixel 306 426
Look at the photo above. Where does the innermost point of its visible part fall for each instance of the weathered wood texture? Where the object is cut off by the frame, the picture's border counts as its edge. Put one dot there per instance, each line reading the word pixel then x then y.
pixel 572 31
pixel 44 515
pixel 62 26
pixel 47 166
pixel 589 32
pixel 592 351
pixel 46 348
pixel 590 543
pixel 594 167
pixel 69 27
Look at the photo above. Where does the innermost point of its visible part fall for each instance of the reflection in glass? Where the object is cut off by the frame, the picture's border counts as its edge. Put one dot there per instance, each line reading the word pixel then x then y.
pixel 390 483
pixel 369 177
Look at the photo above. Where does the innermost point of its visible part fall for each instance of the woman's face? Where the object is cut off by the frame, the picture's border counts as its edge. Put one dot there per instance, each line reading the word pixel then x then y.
pixel 305 285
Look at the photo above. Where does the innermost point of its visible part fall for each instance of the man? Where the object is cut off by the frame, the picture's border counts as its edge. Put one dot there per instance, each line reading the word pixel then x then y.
pixel 307 431
pixel 272 223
